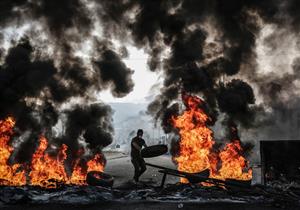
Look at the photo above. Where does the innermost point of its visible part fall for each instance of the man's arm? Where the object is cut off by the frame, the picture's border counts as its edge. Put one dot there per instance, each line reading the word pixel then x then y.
pixel 145 145
pixel 136 146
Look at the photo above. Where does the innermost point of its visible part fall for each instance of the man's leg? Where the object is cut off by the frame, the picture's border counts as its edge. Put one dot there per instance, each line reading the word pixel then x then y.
pixel 135 163
pixel 142 166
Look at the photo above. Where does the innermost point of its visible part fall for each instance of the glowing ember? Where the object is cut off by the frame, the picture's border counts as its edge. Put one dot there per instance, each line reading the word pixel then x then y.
pixel 45 171
pixel 196 142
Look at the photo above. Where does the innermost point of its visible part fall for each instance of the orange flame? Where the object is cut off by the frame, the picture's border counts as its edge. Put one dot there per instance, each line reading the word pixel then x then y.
pixel 196 143
pixel 9 174
pixel 79 175
pixel 45 171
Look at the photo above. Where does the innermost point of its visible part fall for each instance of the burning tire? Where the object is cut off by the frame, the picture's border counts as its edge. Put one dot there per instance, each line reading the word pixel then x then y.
pixel 97 178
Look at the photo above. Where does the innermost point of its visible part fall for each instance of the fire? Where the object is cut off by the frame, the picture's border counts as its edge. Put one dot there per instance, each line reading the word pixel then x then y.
pixel 79 175
pixel 196 146
pixel 45 171
pixel 9 174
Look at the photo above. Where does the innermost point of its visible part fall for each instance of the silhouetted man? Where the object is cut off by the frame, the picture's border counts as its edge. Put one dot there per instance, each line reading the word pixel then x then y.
pixel 136 158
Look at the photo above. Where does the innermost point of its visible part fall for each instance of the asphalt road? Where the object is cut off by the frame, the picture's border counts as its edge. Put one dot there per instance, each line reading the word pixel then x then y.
pixel 121 168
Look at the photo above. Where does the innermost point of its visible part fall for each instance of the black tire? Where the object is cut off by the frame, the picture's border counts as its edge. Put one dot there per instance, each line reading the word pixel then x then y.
pixel 97 178
pixel 154 151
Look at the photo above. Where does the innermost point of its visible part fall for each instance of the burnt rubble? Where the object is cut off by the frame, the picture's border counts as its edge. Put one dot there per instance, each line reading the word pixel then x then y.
pixel 277 196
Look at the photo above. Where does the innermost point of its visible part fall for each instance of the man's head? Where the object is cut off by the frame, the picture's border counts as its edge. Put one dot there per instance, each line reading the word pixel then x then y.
pixel 140 133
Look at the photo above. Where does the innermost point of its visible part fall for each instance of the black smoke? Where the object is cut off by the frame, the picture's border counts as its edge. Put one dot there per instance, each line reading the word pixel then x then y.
pixel 62 15
pixel 234 99
pixel 112 71
pixel 93 122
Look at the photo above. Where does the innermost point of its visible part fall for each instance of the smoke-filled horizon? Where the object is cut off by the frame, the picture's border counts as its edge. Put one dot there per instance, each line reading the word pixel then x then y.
pixel 241 57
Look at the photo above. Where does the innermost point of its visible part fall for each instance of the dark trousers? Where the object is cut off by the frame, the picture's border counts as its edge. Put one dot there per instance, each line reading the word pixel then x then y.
pixel 139 167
